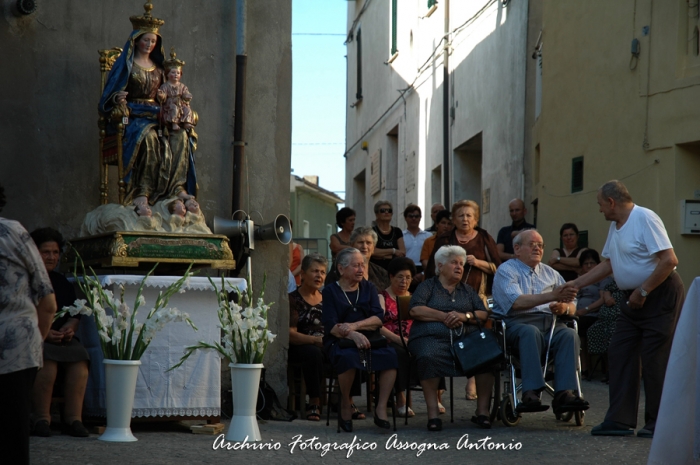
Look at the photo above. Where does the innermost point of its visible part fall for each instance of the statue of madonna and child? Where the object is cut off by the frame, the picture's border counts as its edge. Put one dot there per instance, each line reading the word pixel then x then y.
pixel 159 140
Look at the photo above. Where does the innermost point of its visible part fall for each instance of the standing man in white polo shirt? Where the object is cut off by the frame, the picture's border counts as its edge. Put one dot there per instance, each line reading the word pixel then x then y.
pixel 643 262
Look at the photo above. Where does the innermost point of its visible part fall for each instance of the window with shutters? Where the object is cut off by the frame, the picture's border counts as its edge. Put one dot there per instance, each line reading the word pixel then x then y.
pixel 375 172
pixel 577 174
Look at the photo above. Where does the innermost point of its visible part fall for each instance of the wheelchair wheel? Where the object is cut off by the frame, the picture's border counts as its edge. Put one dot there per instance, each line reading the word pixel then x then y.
pixel 565 417
pixel 495 398
pixel 508 415
pixel 580 418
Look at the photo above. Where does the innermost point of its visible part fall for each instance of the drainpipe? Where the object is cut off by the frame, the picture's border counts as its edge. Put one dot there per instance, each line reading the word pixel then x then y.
pixel 446 111
pixel 239 111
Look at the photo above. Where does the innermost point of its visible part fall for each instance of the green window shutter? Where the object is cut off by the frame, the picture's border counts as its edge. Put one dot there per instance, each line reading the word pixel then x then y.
pixel 577 174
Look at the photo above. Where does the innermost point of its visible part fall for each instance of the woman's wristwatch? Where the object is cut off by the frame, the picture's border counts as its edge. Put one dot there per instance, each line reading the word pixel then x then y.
pixel 469 316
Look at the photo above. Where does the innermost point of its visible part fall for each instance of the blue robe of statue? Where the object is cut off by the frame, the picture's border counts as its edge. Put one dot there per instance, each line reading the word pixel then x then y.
pixel 155 167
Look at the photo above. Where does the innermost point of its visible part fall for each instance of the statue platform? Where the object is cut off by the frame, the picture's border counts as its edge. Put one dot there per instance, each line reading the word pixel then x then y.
pixel 140 249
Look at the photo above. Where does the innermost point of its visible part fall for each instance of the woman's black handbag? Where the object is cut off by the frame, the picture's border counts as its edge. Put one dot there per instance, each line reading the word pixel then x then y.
pixel 476 352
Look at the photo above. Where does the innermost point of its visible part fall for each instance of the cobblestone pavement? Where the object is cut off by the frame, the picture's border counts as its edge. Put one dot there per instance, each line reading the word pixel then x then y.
pixel 543 440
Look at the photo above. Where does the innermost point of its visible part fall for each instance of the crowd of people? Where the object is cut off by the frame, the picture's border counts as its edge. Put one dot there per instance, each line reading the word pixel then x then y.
pixel 626 305
pixel 348 315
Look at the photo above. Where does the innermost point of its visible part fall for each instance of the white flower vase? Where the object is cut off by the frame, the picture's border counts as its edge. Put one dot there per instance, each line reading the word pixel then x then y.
pixel 120 384
pixel 245 383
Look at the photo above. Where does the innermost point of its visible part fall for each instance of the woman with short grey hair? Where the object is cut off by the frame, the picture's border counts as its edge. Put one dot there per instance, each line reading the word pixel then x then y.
pixel 352 312
pixel 439 305
pixel 445 253
pixel 364 239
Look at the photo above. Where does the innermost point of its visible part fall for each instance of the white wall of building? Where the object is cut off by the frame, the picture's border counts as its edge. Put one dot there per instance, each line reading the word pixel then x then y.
pixel 487 99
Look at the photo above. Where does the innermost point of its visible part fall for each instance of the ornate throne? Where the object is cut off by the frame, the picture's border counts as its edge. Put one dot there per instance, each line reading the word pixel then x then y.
pixel 111 145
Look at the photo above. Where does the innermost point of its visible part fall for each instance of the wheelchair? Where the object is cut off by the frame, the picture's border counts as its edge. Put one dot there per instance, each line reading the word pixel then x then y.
pixel 507 387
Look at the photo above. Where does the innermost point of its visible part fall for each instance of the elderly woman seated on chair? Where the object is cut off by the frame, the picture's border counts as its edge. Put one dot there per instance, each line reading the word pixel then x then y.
pixel 306 329
pixel 440 305
pixel 61 349
pixel 351 305
pixel 401 273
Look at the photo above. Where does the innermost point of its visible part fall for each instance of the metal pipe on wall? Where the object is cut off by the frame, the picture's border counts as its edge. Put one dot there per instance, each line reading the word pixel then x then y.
pixel 239 109
pixel 447 184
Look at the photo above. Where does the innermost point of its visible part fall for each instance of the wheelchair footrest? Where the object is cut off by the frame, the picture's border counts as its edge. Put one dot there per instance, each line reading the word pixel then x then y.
pixel 531 409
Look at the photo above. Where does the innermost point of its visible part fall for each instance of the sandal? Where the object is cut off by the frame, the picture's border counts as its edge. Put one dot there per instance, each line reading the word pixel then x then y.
pixel 356 414
pixel 313 413
pixel 482 421
pixel 434 424
pixel 402 411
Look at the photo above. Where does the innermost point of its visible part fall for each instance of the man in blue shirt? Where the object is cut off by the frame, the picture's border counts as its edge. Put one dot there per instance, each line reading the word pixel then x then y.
pixel 529 295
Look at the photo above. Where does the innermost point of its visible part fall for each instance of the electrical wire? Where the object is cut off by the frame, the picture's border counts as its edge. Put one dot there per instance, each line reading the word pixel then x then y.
pixel 315 34
pixel 350 36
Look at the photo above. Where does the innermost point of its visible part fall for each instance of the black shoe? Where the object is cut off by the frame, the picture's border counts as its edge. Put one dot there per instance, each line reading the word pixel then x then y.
pixel 42 429
pixel 531 403
pixel 76 429
pixel 345 425
pixel 434 424
pixel 567 401
pixel 610 428
pixel 381 423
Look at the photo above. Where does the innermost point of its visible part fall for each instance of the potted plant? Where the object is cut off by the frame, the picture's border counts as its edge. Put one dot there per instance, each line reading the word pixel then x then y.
pixel 244 339
pixel 124 340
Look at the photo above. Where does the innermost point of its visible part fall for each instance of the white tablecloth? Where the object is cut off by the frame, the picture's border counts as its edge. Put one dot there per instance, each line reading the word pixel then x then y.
pixel 192 389
pixel 677 434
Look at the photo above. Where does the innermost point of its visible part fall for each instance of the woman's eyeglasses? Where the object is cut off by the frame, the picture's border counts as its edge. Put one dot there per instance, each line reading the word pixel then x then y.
pixel 413 216
pixel 386 210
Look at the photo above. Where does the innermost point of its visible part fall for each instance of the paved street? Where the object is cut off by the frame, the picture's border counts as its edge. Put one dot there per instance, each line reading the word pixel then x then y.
pixel 543 441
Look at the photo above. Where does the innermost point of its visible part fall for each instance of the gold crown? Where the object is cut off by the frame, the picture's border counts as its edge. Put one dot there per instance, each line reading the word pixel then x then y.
pixel 173 62
pixel 146 23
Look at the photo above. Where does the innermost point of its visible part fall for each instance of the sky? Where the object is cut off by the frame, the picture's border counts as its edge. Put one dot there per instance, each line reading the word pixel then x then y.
pixel 318 91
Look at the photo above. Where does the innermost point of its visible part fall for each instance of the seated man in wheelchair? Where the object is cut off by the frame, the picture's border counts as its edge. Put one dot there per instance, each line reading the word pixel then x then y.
pixel 529 295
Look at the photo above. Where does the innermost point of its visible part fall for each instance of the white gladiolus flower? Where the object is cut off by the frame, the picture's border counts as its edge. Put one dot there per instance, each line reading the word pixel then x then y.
pixel 123 309
pixel 270 337
pixel 104 335
pixel 141 300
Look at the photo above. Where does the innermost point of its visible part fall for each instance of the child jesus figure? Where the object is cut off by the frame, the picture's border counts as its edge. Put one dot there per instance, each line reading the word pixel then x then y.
pixel 175 96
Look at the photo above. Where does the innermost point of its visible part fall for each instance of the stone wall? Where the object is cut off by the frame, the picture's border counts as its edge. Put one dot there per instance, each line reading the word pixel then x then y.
pixel 48 127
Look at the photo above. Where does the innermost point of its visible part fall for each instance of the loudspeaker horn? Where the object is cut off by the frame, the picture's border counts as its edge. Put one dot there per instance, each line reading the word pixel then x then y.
pixel 229 228
pixel 280 229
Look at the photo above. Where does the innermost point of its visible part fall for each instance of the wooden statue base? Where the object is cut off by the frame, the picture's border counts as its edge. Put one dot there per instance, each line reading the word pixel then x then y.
pixel 140 249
